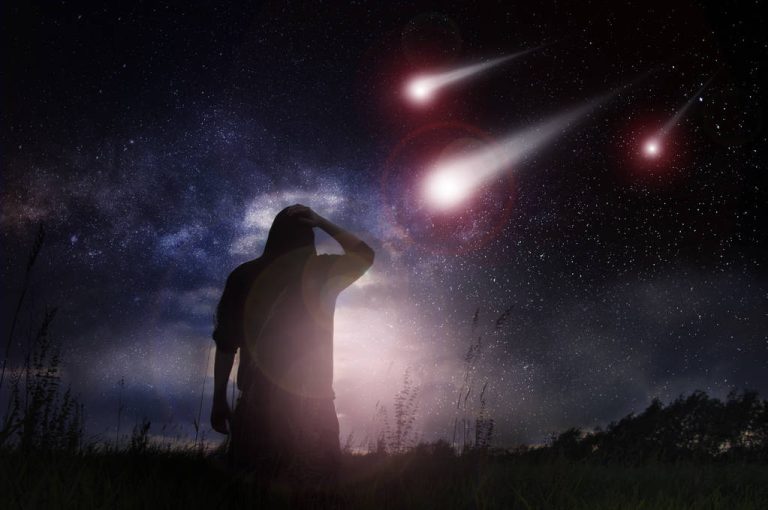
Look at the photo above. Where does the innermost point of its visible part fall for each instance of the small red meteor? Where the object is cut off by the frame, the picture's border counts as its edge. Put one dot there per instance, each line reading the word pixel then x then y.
pixel 652 146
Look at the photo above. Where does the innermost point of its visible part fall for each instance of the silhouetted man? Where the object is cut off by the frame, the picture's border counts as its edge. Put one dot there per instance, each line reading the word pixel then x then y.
pixel 278 310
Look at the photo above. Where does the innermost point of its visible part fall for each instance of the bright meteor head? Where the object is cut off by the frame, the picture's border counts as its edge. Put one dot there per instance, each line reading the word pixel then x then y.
pixel 652 148
pixel 419 90
pixel 445 189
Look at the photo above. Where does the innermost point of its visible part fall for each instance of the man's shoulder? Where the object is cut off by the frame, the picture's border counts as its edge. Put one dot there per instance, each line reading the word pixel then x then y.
pixel 245 270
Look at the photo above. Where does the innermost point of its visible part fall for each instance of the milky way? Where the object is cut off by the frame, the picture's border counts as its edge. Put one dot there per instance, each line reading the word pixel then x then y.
pixel 156 144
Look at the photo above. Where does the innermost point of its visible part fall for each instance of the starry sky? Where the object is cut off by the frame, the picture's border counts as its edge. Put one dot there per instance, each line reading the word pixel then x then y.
pixel 156 141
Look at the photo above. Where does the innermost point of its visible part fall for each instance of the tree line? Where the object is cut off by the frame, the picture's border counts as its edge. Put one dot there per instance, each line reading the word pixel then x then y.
pixel 695 427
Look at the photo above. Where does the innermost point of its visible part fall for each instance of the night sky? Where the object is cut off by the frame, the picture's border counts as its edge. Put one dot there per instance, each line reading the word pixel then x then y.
pixel 156 142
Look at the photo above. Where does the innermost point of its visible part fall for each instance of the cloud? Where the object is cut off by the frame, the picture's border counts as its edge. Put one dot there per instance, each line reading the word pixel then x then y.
pixel 262 209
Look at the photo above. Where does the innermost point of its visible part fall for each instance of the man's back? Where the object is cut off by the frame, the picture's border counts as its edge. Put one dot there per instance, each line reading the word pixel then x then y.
pixel 281 315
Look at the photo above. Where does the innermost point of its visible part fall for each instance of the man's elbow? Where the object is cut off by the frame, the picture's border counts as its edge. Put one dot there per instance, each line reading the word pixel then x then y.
pixel 367 255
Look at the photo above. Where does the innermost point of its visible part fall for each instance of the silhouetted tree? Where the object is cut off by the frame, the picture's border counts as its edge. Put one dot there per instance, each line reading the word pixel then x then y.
pixel 694 427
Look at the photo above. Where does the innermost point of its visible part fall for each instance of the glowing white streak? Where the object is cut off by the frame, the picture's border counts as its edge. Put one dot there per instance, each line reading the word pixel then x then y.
pixel 453 180
pixel 420 89
pixel 652 146
pixel 671 123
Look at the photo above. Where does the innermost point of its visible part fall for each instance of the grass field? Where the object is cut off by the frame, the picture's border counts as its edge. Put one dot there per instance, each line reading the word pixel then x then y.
pixel 417 480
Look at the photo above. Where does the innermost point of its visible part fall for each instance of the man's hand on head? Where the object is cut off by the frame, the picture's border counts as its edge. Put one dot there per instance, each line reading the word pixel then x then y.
pixel 305 215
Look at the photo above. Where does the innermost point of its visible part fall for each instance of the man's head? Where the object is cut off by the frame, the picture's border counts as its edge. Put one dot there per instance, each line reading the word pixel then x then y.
pixel 289 234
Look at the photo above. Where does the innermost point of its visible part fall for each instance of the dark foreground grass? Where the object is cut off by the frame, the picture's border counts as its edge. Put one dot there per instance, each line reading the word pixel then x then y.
pixel 414 481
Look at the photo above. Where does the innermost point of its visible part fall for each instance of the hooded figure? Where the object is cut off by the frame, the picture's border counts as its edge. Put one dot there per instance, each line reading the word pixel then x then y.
pixel 278 311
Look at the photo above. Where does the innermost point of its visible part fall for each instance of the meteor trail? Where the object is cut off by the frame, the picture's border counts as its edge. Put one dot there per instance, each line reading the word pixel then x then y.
pixel 679 114
pixel 652 146
pixel 421 89
pixel 452 181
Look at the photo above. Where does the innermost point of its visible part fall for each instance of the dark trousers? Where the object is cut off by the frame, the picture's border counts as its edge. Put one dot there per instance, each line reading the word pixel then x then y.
pixel 283 435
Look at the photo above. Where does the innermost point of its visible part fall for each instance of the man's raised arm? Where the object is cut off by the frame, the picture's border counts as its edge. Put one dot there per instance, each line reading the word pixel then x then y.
pixel 351 244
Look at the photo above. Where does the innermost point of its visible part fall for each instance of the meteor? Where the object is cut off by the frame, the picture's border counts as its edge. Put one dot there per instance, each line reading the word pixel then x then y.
pixel 450 182
pixel 652 147
pixel 421 89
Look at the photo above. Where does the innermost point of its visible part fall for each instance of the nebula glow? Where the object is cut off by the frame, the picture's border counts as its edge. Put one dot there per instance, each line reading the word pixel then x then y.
pixel 421 89
pixel 452 181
